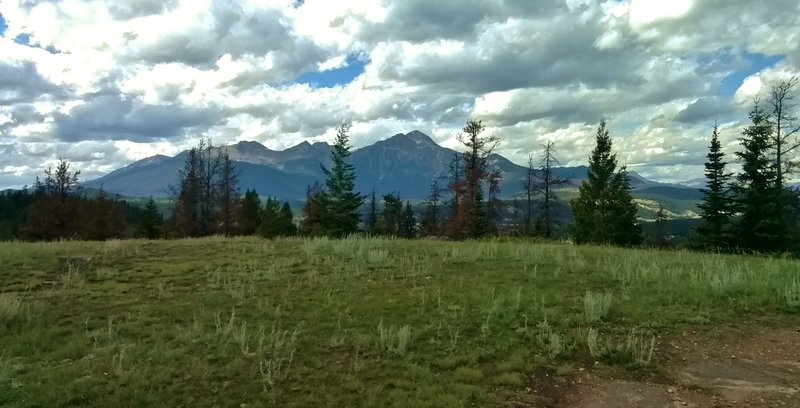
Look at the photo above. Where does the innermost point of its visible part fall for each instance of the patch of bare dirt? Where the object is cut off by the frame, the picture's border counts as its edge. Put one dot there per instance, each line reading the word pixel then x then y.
pixel 753 365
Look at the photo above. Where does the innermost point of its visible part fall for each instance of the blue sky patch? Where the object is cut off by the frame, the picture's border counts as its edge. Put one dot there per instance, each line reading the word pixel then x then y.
pixel 335 77
pixel 2 25
pixel 758 62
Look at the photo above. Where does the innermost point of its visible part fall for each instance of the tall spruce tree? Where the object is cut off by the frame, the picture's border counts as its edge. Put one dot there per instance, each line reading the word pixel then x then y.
pixel 249 213
pixel 604 210
pixel 228 197
pixel 151 221
pixel 390 219
pixel 276 220
pixel 342 202
pixel 717 207
pixel 625 228
pixel 761 226
pixel 371 219
pixel 431 218
pixel 408 226
pixel 314 212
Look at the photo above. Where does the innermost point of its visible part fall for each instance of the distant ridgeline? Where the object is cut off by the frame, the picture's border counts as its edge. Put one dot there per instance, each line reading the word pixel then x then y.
pixel 405 186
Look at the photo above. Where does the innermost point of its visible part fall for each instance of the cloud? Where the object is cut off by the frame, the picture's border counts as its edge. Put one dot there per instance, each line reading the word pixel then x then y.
pixel 704 108
pixel 21 82
pixel 116 117
pixel 139 77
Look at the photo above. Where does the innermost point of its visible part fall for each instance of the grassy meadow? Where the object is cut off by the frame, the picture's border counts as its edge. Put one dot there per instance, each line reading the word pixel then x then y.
pixel 375 323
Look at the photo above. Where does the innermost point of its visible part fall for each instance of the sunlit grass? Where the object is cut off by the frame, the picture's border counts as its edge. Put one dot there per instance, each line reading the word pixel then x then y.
pixel 353 322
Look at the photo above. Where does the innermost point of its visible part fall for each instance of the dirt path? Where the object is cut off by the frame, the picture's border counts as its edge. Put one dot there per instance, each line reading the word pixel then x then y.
pixel 751 365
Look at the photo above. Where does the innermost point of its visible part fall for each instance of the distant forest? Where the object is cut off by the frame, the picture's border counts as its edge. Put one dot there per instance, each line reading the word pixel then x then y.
pixel 752 211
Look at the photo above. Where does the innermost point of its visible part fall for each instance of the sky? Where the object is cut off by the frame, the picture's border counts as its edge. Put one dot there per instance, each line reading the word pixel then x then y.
pixel 106 83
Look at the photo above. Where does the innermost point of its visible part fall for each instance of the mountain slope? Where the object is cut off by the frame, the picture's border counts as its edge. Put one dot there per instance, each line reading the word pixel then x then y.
pixel 404 163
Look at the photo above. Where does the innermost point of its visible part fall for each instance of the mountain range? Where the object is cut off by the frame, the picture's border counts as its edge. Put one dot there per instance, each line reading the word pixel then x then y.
pixel 404 163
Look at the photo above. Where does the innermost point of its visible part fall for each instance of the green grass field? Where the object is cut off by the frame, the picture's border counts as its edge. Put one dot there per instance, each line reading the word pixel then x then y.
pixel 356 322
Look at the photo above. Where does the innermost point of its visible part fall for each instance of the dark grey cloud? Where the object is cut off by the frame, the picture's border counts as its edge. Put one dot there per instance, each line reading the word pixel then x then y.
pixel 421 20
pixel 555 52
pixel 708 109
pixel 21 114
pixel 116 117
pixel 418 21
pixel 21 82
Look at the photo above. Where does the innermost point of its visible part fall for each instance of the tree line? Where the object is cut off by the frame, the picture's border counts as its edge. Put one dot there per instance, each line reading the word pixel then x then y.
pixel 753 210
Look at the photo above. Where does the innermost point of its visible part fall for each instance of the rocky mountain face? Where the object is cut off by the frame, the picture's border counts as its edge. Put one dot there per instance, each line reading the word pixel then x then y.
pixel 405 163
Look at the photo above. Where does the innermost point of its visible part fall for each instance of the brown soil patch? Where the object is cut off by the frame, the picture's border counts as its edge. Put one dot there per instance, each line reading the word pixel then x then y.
pixel 752 365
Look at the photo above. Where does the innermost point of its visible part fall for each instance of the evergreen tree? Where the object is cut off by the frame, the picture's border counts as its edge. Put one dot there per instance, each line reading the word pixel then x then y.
pixel 250 213
pixel 408 228
pixel 228 196
pixel 471 219
pixel 479 220
pixel 604 211
pixel 277 220
pixel 761 226
pixel 271 220
pixel 103 218
pixel 717 207
pixel 289 229
pixel 431 218
pixel 391 217
pixel 189 196
pixel 341 201
pixel 314 212
pixel 625 228
pixel 371 219
pixel 151 221
pixel 495 207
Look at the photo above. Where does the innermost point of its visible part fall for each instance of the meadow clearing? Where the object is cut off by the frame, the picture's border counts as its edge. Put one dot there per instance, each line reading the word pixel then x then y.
pixel 248 322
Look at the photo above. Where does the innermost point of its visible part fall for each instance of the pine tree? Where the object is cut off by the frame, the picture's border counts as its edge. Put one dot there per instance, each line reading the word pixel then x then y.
pixel 104 218
pixel 277 220
pixel 271 221
pixel 371 219
pixel 717 207
pixel 391 217
pixel 478 219
pixel 431 218
pixel 604 210
pixel 250 213
pixel 761 226
pixel 408 228
pixel 495 207
pixel 288 228
pixel 341 201
pixel 228 196
pixel 471 219
pixel 151 221
pixel 189 196
pixel 625 228
pixel 314 212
